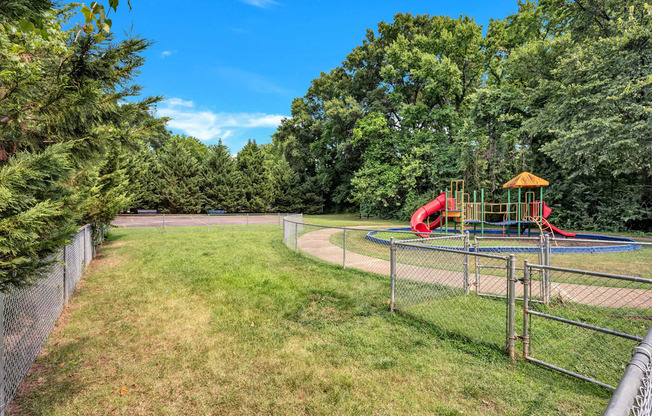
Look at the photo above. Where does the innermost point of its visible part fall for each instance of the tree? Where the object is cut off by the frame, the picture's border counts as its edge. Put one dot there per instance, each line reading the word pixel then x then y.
pixel 255 184
pixel 222 181
pixel 64 108
pixel 285 187
pixel 181 179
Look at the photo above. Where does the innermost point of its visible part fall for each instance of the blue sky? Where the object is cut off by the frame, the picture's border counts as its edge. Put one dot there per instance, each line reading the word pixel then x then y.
pixel 230 68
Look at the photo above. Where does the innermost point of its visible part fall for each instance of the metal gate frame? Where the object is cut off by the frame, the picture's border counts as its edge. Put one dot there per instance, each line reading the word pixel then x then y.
pixel 528 269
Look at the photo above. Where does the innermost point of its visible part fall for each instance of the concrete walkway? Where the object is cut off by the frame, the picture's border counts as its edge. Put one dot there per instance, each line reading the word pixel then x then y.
pixel 317 243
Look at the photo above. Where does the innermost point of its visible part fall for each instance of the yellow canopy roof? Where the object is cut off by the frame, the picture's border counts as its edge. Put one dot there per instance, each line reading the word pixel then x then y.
pixel 526 180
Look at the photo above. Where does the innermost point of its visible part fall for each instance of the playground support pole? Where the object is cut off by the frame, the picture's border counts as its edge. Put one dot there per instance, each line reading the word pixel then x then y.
pixel 475 206
pixel 541 203
pixel 482 209
pixel 518 213
pixel 509 202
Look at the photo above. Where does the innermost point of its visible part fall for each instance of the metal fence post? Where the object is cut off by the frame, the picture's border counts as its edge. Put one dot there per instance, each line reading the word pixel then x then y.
pixel 466 262
pixel 296 237
pixel 65 273
pixel 526 298
pixel 84 265
pixel 344 251
pixel 279 220
pixel 546 272
pixel 511 305
pixel 392 273
pixel 2 354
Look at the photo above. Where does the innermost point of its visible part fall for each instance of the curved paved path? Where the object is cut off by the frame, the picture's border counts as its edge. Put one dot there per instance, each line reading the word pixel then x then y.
pixel 317 243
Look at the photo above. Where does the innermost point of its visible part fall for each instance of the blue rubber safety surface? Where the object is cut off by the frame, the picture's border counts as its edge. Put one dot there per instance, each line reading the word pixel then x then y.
pixel 510 249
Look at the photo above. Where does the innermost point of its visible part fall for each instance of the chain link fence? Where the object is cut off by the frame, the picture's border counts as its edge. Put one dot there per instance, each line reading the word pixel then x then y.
pixel 643 401
pixel 202 222
pixel 29 313
pixel 585 304
pixel 350 247
pixel 634 393
pixel 437 281
pixel 586 323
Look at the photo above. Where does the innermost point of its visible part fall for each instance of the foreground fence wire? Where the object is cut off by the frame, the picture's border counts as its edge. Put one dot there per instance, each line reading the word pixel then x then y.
pixel 634 392
pixel 447 295
pixel 586 323
pixel 29 314
pixel 584 304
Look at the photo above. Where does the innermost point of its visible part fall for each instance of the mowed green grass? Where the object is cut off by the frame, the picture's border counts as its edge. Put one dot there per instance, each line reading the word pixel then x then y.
pixel 235 323
pixel 636 263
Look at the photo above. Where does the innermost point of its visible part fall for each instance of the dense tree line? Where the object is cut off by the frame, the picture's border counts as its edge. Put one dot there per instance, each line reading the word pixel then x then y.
pixel 183 175
pixel 561 88
pixel 70 120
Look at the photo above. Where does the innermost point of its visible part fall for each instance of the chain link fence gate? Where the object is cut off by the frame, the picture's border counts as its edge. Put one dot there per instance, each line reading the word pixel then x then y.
pixel 29 313
pixel 584 323
pixel 436 280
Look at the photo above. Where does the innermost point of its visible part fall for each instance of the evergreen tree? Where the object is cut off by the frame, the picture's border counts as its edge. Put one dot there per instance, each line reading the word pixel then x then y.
pixel 285 186
pixel 222 181
pixel 181 179
pixel 36 218
pixel 146 181
pixel 255 183
pixel 60 119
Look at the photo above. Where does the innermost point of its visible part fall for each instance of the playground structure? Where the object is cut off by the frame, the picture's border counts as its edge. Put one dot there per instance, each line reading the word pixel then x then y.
pixel 455 208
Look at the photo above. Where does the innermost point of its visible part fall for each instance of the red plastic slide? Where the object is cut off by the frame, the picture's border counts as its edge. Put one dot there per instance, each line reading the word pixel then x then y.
pixel 546 225
pixel 553 229
pixel 417 221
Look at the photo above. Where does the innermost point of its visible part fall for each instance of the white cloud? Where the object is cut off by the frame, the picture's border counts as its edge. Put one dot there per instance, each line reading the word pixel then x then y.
pixel 260 3
pixel 165 54
pixel 207 125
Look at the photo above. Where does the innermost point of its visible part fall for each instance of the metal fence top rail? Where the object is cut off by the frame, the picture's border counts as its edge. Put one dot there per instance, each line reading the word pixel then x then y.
pixel 507 238
pixel 416 240
pixel 450 250
pixel 352 228
pixel 591 273
pixel 226 214
pixel 601 241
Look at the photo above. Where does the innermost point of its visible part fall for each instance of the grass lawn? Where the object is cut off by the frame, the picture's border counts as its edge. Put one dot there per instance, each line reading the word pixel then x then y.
pixel 636 263
pixel 235 323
